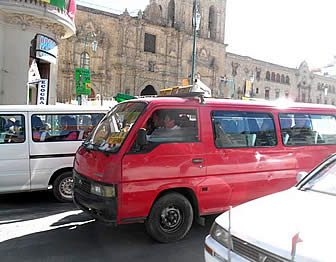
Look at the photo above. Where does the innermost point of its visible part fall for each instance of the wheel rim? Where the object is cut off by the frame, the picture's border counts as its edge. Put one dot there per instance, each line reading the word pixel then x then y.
pixel 171 219
pixel 65 187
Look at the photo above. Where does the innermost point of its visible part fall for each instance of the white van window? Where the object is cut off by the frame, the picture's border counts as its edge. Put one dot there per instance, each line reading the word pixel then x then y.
pixel 12 129
pixel 243 129
pixel 63 127
pixel 307 129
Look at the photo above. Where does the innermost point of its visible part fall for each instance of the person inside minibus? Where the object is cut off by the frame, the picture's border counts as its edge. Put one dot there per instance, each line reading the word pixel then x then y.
pixel 301 132
pixel 37 124
pixel 68 125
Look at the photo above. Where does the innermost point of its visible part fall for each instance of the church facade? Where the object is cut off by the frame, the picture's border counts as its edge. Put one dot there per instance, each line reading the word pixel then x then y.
pixel 142 54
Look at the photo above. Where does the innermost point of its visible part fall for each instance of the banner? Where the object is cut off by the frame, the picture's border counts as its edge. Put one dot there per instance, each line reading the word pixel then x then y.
pixel 33 74
pixel 248 88
pixel 83 81
pixel 227 88
pixel 72 9
pixel 58 3
pixel 42 92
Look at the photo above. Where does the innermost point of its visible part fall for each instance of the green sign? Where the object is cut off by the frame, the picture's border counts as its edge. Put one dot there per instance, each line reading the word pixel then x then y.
pixel 83 81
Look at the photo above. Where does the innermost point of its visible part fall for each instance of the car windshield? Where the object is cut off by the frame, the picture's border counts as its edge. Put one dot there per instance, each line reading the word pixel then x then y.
pixel 324 181
pixel 112 131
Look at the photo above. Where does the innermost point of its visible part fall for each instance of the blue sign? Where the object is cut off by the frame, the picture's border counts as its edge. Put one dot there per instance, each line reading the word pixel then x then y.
pixel 46 49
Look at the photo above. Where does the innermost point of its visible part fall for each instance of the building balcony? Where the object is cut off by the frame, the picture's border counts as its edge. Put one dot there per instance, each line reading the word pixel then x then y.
pixel 37 12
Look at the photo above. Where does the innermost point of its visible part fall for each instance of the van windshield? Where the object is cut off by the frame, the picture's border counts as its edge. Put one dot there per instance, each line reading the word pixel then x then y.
pixel 113 129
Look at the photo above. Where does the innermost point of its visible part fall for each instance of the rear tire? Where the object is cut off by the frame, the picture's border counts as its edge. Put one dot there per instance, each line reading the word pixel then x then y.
pixel 62 187
pixel 170 219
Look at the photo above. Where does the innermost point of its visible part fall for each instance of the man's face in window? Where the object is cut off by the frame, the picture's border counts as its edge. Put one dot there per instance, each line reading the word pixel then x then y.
pixel 168 123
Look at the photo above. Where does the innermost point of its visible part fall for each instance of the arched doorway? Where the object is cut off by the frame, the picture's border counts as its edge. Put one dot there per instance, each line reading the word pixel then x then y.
pixel 148 91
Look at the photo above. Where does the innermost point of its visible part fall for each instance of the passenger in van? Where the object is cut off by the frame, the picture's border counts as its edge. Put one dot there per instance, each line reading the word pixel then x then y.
pixel 45 135
pixel 37 124
pixel 301 132
pixel 169 120
pixel 10 125
pixel 266 136
pixel 154 122
pixel 68 125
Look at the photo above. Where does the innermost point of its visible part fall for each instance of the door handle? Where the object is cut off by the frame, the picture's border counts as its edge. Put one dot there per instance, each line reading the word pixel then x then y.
pixel 197 160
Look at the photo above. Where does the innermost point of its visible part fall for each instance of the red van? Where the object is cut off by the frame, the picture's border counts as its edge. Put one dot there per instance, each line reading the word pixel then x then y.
pixel 168 161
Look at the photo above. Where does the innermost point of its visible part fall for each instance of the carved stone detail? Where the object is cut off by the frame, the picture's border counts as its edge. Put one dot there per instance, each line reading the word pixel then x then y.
pixel 28 20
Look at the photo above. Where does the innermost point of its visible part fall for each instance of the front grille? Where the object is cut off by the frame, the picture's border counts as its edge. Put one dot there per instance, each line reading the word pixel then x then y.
pixel 82 183
pixel 254 253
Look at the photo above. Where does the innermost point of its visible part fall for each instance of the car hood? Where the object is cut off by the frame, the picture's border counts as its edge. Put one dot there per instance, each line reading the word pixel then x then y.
pixel 271 222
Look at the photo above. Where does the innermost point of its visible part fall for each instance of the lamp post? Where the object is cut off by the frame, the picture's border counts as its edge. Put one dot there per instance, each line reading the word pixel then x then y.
pixel 89 37
pixel 196 22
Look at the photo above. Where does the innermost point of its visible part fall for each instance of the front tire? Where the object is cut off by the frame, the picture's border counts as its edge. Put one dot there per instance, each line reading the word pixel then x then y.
pixel 170 219
pixel 62 187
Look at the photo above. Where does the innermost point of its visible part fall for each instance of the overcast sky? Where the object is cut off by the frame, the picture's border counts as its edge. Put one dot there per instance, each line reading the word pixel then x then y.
pixel 284 32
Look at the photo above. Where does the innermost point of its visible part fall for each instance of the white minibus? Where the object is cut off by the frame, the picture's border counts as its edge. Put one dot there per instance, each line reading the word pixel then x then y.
pixel 38 145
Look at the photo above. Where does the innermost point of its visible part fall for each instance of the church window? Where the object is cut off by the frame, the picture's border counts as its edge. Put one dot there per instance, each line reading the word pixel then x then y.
pixel 268 75
pixel 258 75
pixel 171 13
pixel 212 23
pixel 282 79
pixel 150 43
pixel 278 78
pixel 85 60
pixel 267 93
pixel 287 80
pixel 273 76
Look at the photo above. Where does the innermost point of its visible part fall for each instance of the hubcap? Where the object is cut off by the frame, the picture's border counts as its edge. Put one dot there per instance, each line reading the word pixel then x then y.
pixel 171 219
pixel 65 187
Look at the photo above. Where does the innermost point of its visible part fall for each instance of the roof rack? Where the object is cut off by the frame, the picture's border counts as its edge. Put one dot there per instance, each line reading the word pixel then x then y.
pixel 199 89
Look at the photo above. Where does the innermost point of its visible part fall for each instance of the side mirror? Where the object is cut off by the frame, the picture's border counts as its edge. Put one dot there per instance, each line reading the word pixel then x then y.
pixel 141 138
pixel 300 176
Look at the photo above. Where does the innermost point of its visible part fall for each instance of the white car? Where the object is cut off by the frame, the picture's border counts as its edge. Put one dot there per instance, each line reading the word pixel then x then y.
pixel 298 224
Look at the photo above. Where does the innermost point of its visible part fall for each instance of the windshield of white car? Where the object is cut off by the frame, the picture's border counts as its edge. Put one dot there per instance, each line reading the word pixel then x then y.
pixel 324 181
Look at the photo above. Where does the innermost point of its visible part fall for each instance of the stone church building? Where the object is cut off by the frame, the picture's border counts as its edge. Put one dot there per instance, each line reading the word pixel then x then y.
pixel 142 54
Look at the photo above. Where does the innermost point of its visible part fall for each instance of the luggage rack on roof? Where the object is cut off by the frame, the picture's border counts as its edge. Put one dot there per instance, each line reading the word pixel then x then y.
pixel 199 90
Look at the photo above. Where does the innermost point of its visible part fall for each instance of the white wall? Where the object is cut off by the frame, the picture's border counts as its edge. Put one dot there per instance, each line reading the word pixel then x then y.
pixel 16 64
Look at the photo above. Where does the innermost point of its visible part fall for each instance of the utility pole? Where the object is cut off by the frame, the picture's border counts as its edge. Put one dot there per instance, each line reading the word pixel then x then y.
pixel 196 21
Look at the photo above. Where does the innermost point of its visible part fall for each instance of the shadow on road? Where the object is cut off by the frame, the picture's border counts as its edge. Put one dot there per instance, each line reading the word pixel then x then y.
pixel 94 241
pixel 27 206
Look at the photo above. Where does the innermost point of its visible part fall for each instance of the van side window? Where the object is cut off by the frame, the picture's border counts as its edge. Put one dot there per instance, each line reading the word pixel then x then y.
pixel 172 125
pixel 12 129
pixel 299 129
pixel 63 127
pixel 243 129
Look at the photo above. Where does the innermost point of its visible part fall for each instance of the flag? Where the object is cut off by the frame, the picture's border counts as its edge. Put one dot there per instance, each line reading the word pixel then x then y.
pixel 72 9
pixel 231 86
pixel 58 3
pixel 248 88
pixel 33 74
pixel 295 239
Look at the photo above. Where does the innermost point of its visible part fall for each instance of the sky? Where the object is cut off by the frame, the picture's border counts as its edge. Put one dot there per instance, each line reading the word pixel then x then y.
pixel 284 32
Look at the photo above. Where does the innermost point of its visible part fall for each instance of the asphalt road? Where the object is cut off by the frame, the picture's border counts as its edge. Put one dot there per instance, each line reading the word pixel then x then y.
pixel 34 227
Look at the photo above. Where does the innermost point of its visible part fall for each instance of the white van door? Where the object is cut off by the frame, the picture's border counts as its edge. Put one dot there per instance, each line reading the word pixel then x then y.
pixel 14 152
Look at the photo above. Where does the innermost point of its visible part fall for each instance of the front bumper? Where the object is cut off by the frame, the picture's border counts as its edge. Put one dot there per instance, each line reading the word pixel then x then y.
pixel 100 208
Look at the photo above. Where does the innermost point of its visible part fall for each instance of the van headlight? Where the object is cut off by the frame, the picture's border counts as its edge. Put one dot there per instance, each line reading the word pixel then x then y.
pixel 104 191
pixel 221 235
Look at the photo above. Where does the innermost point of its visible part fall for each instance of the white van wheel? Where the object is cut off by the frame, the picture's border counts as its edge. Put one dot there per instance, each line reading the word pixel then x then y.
pixel 62 187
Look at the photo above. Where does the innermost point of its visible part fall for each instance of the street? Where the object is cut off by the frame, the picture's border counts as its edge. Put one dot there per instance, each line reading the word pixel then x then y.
pixel 34 227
